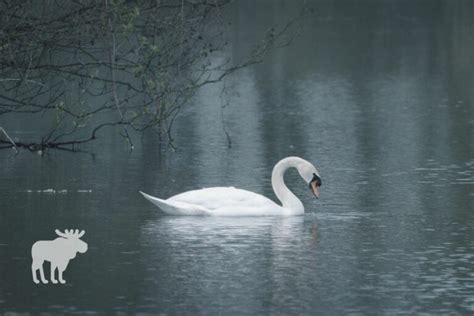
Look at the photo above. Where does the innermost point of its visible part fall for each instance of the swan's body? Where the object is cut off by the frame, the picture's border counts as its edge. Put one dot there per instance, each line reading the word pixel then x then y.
pixel 218 201
pixel 229 201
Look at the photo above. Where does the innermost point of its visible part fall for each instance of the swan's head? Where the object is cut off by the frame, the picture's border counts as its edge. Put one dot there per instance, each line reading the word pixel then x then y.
pixel 311 175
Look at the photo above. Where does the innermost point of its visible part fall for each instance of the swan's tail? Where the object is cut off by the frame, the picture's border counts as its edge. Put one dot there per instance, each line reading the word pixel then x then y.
pixel 174 207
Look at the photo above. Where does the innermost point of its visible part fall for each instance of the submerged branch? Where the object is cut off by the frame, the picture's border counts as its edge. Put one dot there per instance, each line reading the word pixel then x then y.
pixel 45 144
pixel 9 139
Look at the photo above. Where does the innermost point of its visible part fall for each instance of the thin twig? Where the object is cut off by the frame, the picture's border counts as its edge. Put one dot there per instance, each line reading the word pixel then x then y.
pixel 27 80
pixel 225 96
pixel 112 69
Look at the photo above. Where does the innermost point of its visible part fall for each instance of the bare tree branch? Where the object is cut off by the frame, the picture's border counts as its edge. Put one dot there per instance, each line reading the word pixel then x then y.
pixel 83 66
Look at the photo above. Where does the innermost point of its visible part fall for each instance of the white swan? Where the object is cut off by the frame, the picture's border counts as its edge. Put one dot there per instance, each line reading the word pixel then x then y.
pixel 229 201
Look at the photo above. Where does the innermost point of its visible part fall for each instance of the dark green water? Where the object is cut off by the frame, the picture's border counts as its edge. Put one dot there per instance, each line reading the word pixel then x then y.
pixel 378 94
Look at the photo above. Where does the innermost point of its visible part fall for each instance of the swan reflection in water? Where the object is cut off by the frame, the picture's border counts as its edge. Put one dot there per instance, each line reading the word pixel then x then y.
pixel 214 258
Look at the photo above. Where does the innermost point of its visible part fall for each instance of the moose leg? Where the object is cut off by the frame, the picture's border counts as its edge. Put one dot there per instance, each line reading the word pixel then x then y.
pixel 43 279
pixel 33 271
pixel 53 268
pixel 61 269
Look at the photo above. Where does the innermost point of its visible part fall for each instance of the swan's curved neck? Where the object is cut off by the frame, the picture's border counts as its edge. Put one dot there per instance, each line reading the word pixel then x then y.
pixel 286 197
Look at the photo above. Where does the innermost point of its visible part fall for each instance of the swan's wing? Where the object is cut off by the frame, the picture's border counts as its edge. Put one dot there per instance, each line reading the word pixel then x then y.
pixel 227 201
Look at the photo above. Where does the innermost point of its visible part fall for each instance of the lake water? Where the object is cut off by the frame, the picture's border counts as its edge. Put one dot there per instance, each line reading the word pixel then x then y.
pixel 379 95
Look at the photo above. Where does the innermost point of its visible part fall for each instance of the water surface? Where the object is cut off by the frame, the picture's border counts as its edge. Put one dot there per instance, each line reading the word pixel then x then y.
pixel 378 94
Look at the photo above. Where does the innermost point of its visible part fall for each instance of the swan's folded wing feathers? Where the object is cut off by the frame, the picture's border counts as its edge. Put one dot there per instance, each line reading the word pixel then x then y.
pixel 221 198
pixel 175 207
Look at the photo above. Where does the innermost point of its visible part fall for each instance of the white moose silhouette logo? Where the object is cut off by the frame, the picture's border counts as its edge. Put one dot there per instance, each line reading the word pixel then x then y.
pixel 58 252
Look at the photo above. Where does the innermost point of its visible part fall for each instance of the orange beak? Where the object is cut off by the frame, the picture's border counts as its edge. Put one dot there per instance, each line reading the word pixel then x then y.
pixel 314 189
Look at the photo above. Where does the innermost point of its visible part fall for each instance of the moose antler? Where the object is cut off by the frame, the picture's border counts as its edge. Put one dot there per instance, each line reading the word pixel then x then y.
pixel 68 233
pixel 60 234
